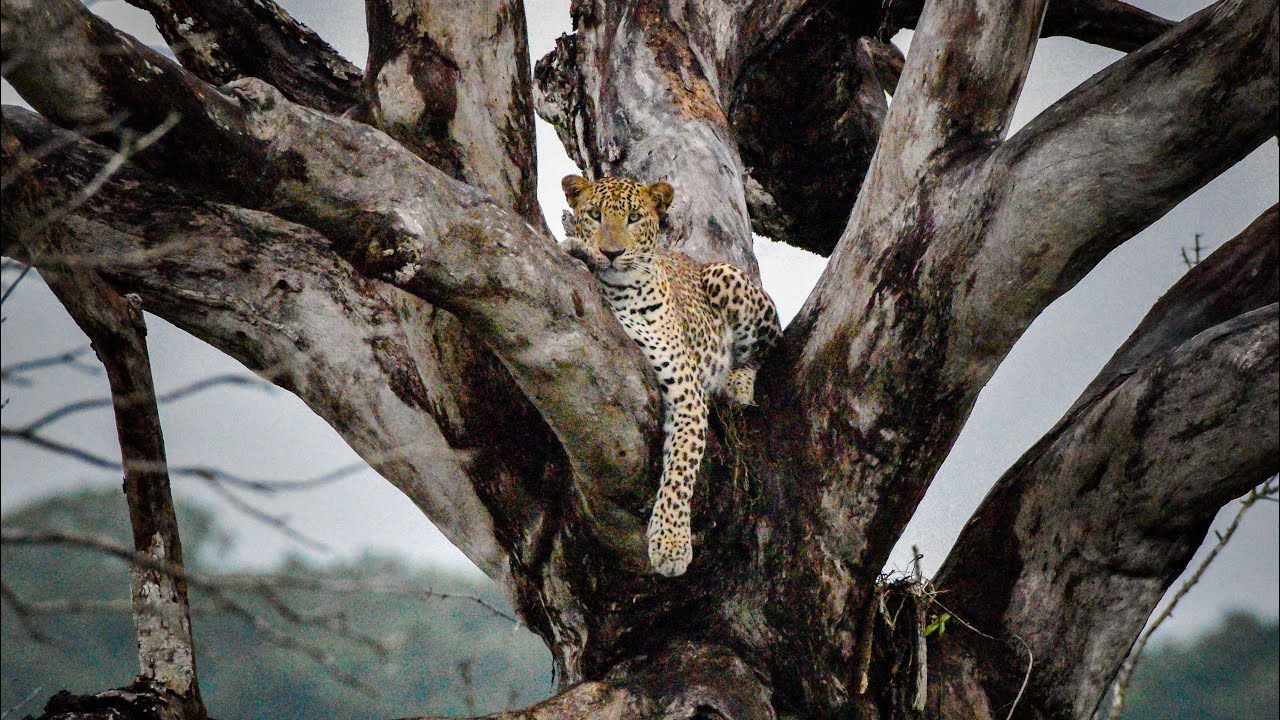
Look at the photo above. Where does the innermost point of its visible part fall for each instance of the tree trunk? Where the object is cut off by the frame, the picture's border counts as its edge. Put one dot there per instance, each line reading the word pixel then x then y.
pixel 377 251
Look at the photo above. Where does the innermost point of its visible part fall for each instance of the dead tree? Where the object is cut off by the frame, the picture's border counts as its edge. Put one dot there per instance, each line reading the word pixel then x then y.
pixel 374 241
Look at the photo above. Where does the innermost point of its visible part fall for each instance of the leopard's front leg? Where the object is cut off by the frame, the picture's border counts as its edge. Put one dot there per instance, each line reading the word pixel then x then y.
pixel 655 329
pixel 684 430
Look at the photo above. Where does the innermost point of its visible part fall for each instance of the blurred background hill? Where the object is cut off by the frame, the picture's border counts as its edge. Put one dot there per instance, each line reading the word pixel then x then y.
pixel 443 655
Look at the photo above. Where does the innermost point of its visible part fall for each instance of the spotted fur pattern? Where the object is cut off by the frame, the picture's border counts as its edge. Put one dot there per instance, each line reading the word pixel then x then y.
pixel 702 327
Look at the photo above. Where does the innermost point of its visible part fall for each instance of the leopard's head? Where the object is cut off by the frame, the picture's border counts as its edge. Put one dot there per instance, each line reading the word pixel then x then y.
pixel 615 220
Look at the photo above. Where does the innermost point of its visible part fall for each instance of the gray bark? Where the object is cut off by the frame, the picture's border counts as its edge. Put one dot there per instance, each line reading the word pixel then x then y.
pixel 390 268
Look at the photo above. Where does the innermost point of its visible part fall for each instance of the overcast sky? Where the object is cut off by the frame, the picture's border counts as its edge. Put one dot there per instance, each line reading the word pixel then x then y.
pixel 269 433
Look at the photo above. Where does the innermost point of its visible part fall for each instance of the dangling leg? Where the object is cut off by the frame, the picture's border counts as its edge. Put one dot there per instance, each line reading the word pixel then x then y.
pixel 684 430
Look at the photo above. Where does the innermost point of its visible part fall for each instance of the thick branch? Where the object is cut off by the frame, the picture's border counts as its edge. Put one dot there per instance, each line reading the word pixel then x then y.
pixel 224 41
pixel 114 325
pixel 861 363
pixel 1079 540
pixel 637 92
pixel 1109 23
pixel 807 110
pixel 808 114
pixel 1106 161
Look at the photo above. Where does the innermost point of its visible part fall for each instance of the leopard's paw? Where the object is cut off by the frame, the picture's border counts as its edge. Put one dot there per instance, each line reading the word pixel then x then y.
pixel 670 550
pixel 741 387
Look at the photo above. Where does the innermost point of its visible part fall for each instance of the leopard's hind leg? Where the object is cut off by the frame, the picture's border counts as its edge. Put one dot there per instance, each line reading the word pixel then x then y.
pixel 752 320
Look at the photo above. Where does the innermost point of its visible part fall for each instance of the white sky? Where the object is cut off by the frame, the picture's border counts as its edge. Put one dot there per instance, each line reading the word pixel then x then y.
pixel 273 434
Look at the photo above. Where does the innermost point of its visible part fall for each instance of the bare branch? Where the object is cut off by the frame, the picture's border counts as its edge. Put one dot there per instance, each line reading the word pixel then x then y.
pixel 208 585
pixel 224 41
pixel 807 113
pixel 1109 23
pixel 329 585
pixel 71 409
pixel 414 227
pixel 27 614
pixel 286 314
pixel 451 81
pixel 117 333
pixel 13 372
pixel 657 77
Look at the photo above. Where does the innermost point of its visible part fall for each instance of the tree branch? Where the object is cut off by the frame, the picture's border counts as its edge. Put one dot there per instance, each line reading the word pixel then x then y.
pixel 1268 490
pixel 638 92
pixel 114 326
pixel 211 586
pixel 1109 23
pixel 807 108
pixel 450 80
pixel 1077 543
pixel 1128 157
pixel 860 367
pixel 224 41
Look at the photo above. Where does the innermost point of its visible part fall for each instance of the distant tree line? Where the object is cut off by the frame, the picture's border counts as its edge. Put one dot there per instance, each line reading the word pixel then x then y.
pixel 443 656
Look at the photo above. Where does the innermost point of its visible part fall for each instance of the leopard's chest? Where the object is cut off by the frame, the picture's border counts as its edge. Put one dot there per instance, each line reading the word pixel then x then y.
pixel 671 321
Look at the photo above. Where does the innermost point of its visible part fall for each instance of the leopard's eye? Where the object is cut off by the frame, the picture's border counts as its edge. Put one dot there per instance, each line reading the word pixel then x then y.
pixel 634 217
pixel 593 213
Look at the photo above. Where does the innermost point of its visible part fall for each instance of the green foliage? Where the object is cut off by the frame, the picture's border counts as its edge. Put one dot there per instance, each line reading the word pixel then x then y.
pixel 938 624
pixel 1233 673
pixel 447 656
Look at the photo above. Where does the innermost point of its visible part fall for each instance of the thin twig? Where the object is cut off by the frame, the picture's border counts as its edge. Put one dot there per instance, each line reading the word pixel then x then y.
pixel 1266 491
pixel 212 475
pixel 195 388
pixel 11 372
pixel 37 691
pixel 26 615
pixel 1031 658
pixel 9 290
pixel 337 585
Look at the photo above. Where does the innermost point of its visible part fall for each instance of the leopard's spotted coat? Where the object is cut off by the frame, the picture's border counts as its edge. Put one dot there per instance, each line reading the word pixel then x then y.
pixel 702 327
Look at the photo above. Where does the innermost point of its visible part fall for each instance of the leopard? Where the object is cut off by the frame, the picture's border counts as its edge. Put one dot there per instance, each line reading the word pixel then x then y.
pixel 703 327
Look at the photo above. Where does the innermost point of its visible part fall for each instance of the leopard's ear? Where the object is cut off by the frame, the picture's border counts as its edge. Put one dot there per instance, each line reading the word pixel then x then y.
pixel 662 195
pixel 574 186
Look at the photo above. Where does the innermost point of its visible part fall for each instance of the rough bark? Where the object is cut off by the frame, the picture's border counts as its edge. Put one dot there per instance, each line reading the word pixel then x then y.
pixel 450 80
pixel 143 700
pixel 309 247
pixel 292 312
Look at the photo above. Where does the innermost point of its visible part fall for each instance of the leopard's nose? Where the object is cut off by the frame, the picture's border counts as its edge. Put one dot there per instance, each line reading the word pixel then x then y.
pixel 611 254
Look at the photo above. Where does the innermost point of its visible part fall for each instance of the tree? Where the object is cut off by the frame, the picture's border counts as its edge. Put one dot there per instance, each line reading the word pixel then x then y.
pixel 370 241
